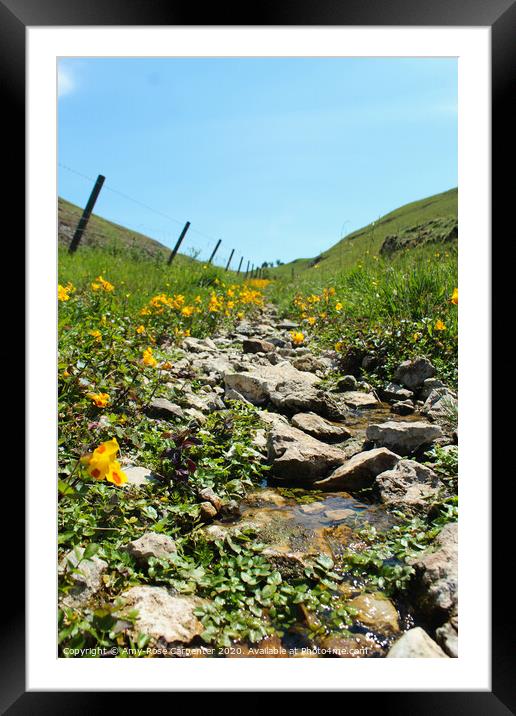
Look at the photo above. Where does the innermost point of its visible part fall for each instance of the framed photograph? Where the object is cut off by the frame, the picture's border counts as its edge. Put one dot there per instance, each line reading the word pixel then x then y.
pixel 256 404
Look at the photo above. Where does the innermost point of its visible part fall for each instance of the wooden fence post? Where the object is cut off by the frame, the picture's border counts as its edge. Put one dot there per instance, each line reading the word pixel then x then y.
pixel 247 270
pixel 240 264
pixel 230 257
pixel 214 251
pixel 83 221
pixel 178 243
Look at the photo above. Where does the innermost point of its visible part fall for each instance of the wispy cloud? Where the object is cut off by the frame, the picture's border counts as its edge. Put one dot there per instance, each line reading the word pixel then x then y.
pixel 66 80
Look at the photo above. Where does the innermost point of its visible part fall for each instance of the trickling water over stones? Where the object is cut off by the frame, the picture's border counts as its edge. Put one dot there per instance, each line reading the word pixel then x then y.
pixel 330 447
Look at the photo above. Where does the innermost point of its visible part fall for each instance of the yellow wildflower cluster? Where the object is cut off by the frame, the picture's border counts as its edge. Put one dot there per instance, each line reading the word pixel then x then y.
pixel 103 465
pixel 259 283
pixel 225 300
pixel 455 297
pixel 63 292
pixel 318 307
pixel 100 284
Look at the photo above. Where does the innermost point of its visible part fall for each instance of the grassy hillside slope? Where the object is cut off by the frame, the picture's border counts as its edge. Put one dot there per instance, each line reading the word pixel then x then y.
pixel 105 234
pixel 369 239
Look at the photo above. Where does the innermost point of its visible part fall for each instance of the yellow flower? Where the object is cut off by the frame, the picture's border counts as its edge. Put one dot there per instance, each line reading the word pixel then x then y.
pixel 339 346
pixel 140 329
pixel 148 358
pixel 338 306
pixel 97 335
pixel 311 320
pixel 187 311
pixel 115 474
pixel 100 399
pixel 455 297
pixel 100 284
pixel 297 337
pixel 66 374
pixel 439 325
pixel 63 292
pixel 100 461
pixel 167 365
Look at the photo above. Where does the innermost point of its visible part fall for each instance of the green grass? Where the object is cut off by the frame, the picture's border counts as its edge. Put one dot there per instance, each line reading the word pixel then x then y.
pixel 105 234
pixel 138 275
pixel 366 303
pixel 368 240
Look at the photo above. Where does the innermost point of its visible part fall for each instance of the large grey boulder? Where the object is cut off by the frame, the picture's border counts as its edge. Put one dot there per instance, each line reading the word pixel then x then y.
pixel 298 457
pixel 408 486
pixel 416 644
pixel 441 405
pixel 293 396
pixel 161 615
pixel 403 437
pixel 257 384
pixel 151 544
pixel 436 577
pixel 320 428
pixel 413 373
pixel 359 471
pixel 86 575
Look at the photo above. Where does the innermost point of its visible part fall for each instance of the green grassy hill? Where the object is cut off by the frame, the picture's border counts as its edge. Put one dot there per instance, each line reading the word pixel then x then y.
pixel 430 218
pixel 104 234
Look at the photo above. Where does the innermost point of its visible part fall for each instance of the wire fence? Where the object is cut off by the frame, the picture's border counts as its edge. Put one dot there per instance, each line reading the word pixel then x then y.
pixel 190 242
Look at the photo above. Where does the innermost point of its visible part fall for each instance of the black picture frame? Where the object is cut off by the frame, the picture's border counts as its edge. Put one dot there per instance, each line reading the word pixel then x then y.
pixel 500 16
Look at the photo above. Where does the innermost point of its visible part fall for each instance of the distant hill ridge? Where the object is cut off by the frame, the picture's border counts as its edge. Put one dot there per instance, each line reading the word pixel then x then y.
pixel 429 220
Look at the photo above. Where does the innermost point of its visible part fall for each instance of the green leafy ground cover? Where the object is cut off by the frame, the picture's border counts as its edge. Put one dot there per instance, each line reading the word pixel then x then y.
pixel 121 316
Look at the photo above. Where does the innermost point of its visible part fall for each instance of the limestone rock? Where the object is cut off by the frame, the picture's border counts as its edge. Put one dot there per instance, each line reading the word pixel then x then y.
pixel 257 384
pixel 208 495
pixel 416 644
pixel 257 345
pixel 403 407
pixel 310 364
pixel 403 437
pixel 163 408
pixel 85 573
pixel 161 615
pixel 298 457
pixel 359 471
pixel 436 576
pixel 320 428
pixel 409 486
pixel 413 373
pixel 151 544
pixel 357 399
pixel 294 396
pixel 395 391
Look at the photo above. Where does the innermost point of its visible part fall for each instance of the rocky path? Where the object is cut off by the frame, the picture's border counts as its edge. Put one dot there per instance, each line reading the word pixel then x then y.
pixel 340 460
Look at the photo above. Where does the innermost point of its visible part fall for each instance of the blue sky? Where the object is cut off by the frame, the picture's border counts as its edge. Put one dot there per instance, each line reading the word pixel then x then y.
pixel 277 157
